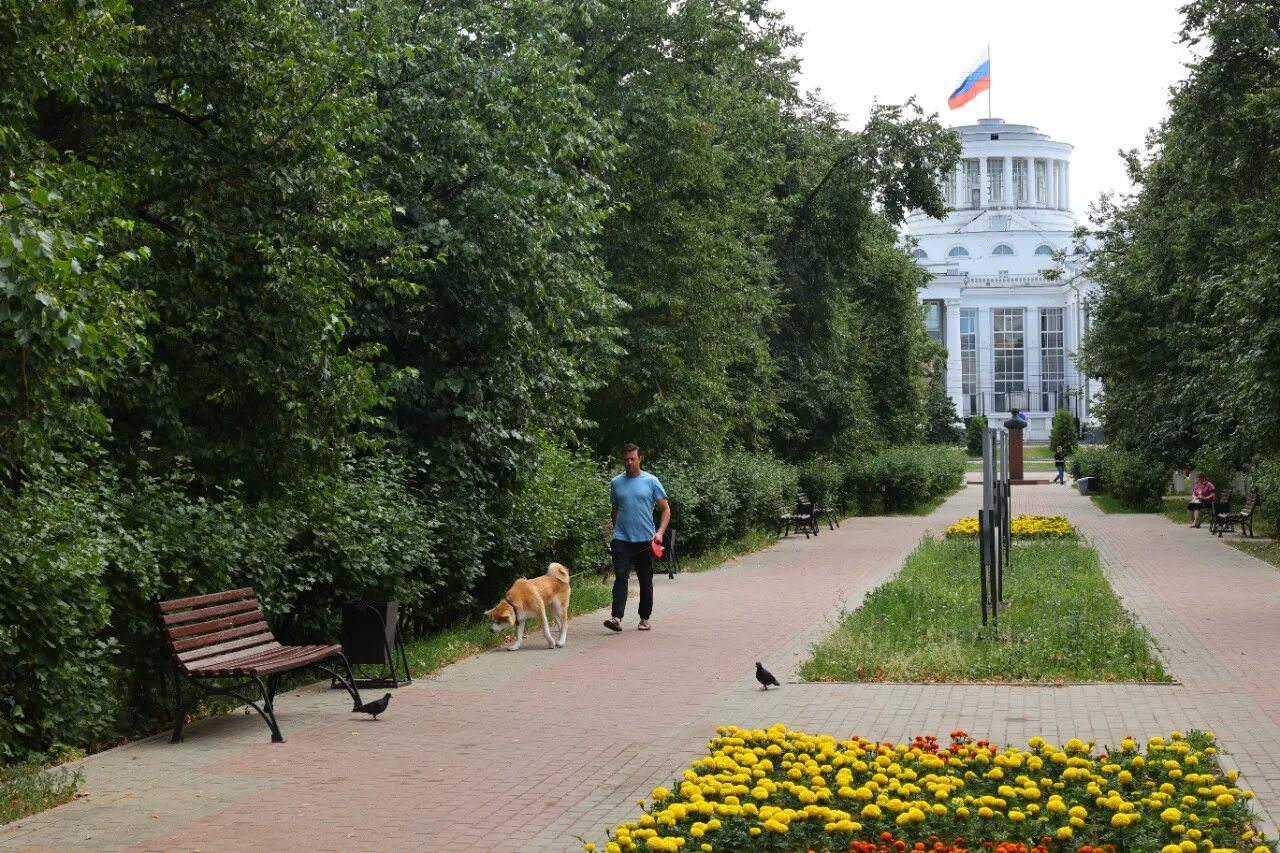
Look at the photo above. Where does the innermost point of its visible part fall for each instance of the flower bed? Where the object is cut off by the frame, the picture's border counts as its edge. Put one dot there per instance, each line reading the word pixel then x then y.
pixel 1021 527
pixel 781 791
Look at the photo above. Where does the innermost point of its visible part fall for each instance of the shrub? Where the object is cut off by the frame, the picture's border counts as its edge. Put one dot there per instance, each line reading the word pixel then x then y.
pixel 559 508
pixel 901 478
pixel 703 502
pixel 1089 461
pixel 823 479
pixel 1266 480
pixel 1134 479
pixel 973 435
pixel 1063 432
pixel 759 481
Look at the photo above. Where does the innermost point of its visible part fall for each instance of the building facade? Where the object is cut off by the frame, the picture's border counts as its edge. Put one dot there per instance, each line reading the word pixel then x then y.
pixel 1011 333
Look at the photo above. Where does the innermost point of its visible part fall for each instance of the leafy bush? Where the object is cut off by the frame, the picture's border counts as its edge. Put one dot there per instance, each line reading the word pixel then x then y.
pixel 704 502
pixel 56 655
pixel 558 514
pixel 1063 432
pixel 1089 461
pixel 1266 480
pixel 906 477
pixel 760 481
pixel 1136 480
pixel 973 435
pixel 822 480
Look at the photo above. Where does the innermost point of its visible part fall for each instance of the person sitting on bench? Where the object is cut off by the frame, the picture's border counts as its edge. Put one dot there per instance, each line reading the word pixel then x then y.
pixel 1202 497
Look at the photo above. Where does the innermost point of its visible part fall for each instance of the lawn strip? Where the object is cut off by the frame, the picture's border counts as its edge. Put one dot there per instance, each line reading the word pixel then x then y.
pixel 33 786
pixel 1062 622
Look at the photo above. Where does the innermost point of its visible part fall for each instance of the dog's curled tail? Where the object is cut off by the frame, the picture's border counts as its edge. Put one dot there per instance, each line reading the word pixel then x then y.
pixel 557 570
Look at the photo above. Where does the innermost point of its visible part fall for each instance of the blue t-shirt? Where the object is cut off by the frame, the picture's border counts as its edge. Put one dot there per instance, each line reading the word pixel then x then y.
pixel 634 497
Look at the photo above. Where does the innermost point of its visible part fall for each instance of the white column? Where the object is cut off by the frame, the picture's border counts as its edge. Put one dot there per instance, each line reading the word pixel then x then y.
pixel 1062 185
pixel 986 360
pixel 954 373
pixel 1031 325
pixel 1066 184
pixel 1031 181
pixel 962 192
pixel 1050 184
pixel 1010 200
pixel 983 195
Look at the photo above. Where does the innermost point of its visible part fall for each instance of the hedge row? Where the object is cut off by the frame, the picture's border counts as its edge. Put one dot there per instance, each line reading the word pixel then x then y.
pixel 80 657
pixel 1133 479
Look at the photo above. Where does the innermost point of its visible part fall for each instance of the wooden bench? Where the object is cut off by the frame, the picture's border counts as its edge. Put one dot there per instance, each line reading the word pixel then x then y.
pixel 1224 521
pixel 820 513
pixel 222 645
pixel 799 519
pixel 1221 506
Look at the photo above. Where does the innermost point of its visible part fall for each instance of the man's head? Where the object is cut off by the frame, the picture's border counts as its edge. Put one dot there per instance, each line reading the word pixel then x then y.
pixel 631 458
pixel 1059 448
pixel 1013 413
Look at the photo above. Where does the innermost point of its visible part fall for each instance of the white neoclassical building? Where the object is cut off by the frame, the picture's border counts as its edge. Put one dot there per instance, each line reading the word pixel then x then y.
pixel 1011 333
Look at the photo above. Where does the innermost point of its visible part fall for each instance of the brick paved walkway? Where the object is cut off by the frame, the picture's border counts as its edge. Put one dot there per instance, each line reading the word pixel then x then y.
pixel 524 751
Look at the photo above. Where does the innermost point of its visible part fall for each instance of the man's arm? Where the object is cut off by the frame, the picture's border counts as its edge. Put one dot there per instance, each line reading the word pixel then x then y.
pixel 613 514
pixel 666 518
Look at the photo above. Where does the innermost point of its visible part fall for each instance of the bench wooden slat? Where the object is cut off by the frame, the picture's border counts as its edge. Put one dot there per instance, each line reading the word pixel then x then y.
pixel 203 600
pixel 212 626
pixel 247 605
pixel 239 646
pixel 257 627
pixel 281 660
pixel 200 660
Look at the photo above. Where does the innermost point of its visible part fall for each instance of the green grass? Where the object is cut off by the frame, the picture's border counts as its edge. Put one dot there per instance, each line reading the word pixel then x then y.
pixel 1111 506
pixel 1062 623
pixel 590 592
pixel 1033 465
pixel 1036 451
pixel 33 786
pixel 1267 550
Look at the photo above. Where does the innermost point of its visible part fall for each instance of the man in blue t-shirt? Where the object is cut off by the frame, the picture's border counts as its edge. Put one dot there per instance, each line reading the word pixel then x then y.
pixel 633 495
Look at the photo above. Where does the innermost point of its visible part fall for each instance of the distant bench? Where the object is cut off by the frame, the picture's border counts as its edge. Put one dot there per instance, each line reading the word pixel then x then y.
pixel 225 636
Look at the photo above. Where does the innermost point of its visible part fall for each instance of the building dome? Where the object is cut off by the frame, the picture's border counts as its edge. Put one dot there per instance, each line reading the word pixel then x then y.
pixel 1011 333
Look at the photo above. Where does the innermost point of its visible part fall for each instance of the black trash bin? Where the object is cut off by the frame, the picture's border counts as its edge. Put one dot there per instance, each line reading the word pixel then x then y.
pixel 371 637
pixel 1088 485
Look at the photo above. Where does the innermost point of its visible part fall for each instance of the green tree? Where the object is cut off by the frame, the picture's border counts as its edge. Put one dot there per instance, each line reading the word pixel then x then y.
pixel 973 435
pixel 1186 334
pixel 697 89
pixel 1062 433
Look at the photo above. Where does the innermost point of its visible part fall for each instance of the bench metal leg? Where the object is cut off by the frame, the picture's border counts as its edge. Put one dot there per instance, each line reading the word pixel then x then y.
pixel 180 714
pixel 348 682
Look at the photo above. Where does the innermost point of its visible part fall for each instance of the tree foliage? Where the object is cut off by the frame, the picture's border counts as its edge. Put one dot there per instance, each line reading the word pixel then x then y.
pixel 1185 335
pixel 341 301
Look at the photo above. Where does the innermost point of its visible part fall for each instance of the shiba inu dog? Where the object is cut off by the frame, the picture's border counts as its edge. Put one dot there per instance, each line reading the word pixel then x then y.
pixel 541 597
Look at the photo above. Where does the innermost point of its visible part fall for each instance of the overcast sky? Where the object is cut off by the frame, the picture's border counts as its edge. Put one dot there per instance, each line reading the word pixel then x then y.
pixel 1093 73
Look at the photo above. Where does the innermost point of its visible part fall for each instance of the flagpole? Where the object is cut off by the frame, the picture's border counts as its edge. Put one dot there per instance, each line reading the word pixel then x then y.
pixel 992 81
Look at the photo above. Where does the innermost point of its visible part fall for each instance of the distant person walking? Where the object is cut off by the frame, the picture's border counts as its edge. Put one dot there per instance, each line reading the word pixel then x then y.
pixel 1060 459
pixel 634 494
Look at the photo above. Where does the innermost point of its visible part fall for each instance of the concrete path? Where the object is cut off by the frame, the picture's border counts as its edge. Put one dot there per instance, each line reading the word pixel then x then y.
pixel 529 751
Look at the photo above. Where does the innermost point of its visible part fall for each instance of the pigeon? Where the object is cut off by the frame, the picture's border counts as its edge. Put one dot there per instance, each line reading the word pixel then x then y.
pixel 765 677
pixel 376 707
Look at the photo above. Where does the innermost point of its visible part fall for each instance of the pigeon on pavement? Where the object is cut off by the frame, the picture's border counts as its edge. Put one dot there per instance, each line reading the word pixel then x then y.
pixel 376 707
pixel 765 677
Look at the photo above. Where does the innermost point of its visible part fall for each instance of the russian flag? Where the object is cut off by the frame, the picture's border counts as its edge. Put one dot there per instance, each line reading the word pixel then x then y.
pixel 975 82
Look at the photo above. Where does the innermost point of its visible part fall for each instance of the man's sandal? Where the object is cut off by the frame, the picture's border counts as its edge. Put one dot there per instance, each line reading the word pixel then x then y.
pixel 613 624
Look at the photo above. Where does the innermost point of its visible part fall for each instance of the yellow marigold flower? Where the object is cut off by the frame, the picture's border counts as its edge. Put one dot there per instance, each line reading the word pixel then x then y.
pixel 985 812
pixel 706 848
pixel 1262 848
pixel 1225 800
pixel 613 847
pixel 1063 833
pixel 1187 846
pixel 660 793
pixel 962 812
pixel 589 847
pixel 1171 815
pixel 1017 816
pixel 871 811
pixel 1178 828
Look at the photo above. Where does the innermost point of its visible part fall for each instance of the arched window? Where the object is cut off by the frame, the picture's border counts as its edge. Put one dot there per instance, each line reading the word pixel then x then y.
pixel 958 252
pixel 1044 249
pixel 1002 249
pixel 920 254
